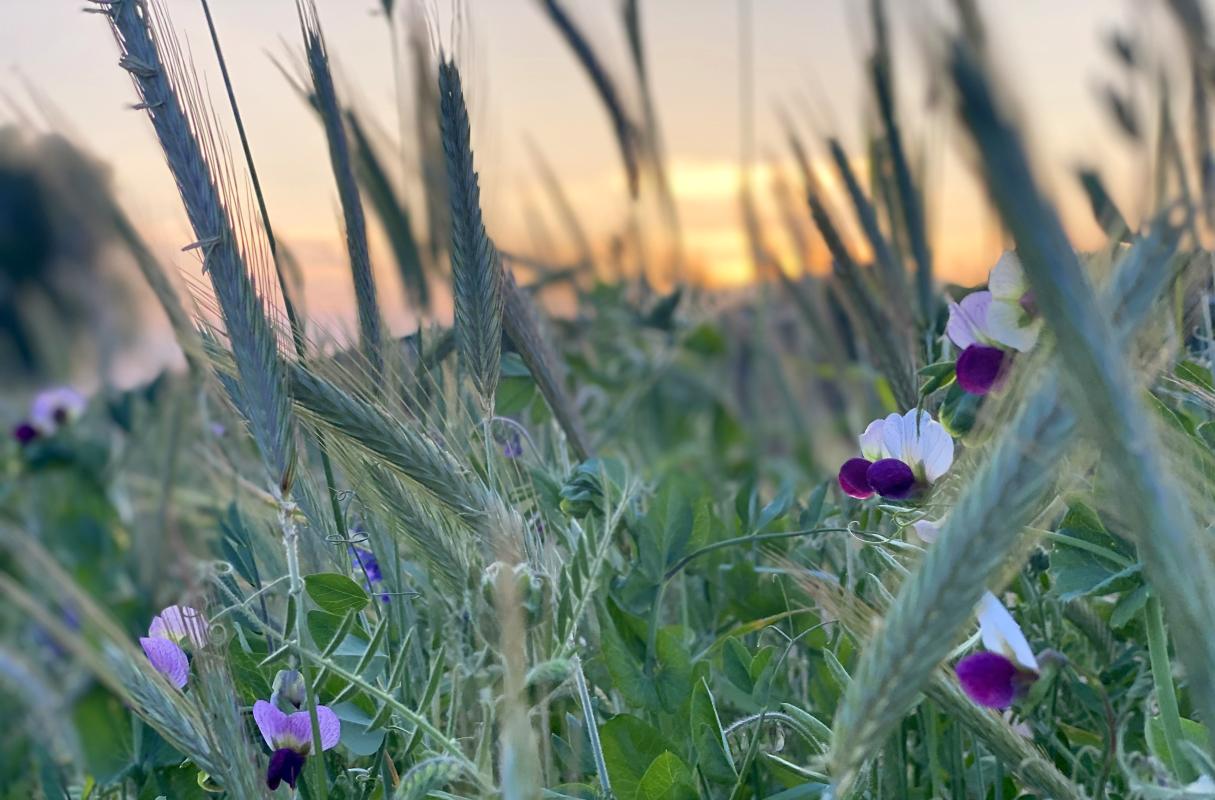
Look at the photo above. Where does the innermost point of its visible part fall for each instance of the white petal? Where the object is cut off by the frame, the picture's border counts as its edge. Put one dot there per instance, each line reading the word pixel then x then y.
pixel 871 440
pixel 1007 278
pixel 1001 633
pixel 1007 324
pixel 896 437
pixel 935 449
pixel 927 530
pixel 1203 787
pixel 968 320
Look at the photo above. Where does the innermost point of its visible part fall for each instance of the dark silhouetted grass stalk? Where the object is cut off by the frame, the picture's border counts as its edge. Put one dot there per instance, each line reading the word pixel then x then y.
pixel 476 272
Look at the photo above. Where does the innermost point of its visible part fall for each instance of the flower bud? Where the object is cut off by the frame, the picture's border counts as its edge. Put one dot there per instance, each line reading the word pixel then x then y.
pixel 288 690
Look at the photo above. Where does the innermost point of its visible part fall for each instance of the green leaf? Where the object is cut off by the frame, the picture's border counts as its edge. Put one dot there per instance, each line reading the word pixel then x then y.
pixel 803 792
pixel 936 376
pixel 814 506
pixel 247 676
pixel 629 747
pixel 712 757
pixel 736 664
pixel 673 672
pixel 355 736
pixel 774 510
pixel 625 665
pixel 763 668
pixel 323 626
pixel 513 366
pixel 1194 732
pixel 1129 605
pixel 1088 560
pixel 1175 417
pixel 667 530
pixel 335 593
pixel 667 778
pixel 1195 373
pixel 513 395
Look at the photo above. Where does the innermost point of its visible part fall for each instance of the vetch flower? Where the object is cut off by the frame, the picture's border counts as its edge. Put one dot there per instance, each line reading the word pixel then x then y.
pixel 170 629
pixel 900 455
pixel 513 446
pixel 1008 667
pixel 980 363
pixel 986 324
pixel 367 567
pixel 54 408
pixel 290 739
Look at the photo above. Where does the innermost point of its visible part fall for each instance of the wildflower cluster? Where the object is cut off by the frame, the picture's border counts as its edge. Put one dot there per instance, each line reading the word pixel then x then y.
pixel 904 455
pixel 178 631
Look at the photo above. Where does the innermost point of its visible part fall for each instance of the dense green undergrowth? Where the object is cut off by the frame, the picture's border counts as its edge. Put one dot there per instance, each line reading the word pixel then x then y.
pixel 852 535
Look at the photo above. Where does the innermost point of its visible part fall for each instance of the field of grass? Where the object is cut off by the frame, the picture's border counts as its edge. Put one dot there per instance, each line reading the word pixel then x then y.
pixel 852 535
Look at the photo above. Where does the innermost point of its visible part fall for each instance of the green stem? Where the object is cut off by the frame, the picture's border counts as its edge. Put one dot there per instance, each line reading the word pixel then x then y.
pixel 759 537
pixel 295 587
pixel 592 729
pixel 1166 695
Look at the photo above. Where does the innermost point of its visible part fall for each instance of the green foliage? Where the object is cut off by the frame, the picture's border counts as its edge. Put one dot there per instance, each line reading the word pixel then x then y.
pixel 658 589
pixel 334 593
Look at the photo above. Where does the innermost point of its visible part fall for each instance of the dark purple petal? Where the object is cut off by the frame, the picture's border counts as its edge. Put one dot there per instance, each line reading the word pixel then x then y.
pixel 978 368
pixel 168 659
pixel 988 678
pixel 285 765
pixel 513 446
pixel 891 478
pixel 369 564
pixel 853 480
pixel 24 433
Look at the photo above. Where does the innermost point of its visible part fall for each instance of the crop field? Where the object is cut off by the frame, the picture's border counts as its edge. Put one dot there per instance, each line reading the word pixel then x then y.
pixel 589 525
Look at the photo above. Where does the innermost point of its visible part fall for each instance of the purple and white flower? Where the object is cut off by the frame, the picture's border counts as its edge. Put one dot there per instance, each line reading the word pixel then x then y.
pixel 54 408
pixel 901 455
pixel 987 324
pixel 170 629
pixel 994 678
pixel 289 737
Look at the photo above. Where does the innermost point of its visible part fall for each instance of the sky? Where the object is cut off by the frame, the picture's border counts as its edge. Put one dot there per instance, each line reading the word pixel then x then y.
pixel 58 67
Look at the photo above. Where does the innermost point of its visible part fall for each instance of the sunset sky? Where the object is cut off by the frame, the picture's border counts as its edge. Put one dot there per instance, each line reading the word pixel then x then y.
pixel 524 83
